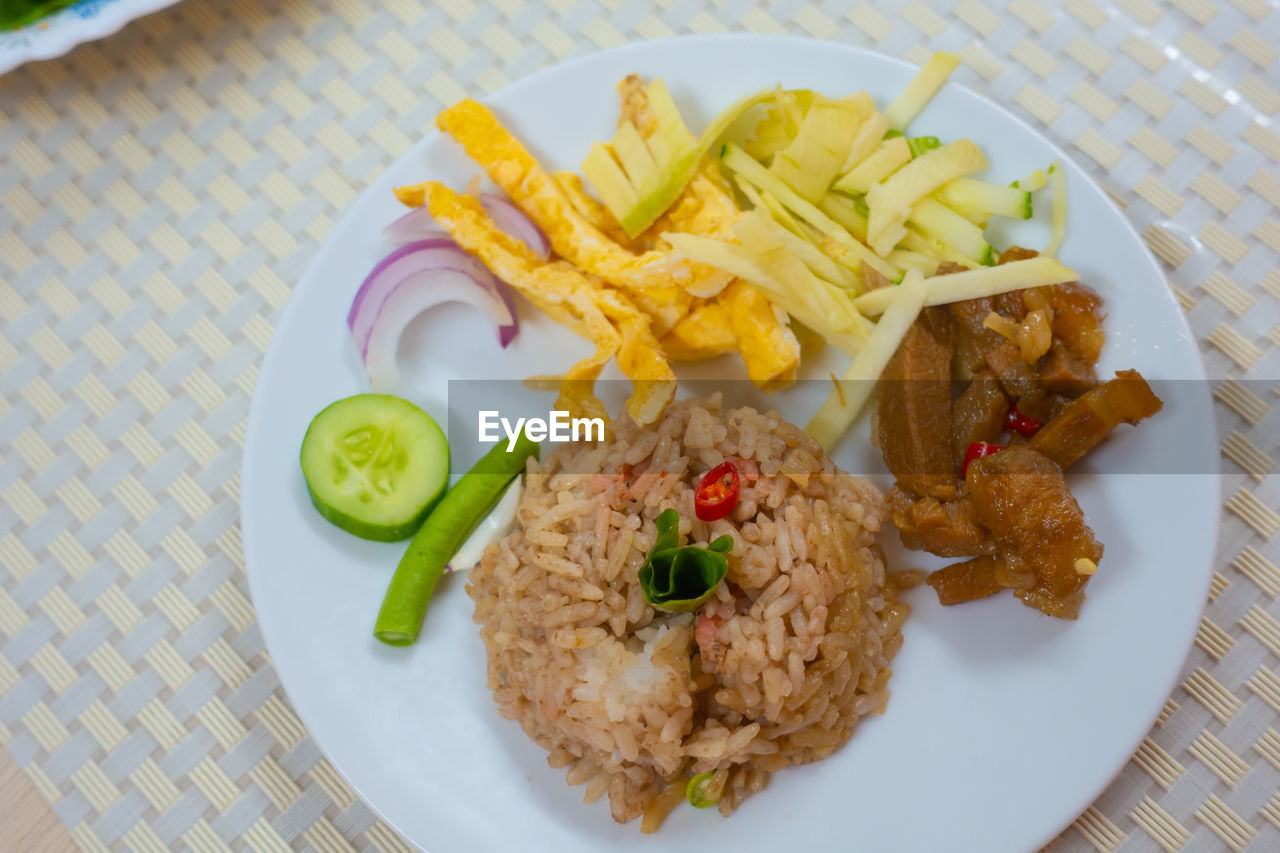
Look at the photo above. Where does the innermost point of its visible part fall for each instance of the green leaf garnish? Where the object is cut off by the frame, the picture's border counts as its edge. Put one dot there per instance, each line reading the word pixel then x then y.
pixel 680 578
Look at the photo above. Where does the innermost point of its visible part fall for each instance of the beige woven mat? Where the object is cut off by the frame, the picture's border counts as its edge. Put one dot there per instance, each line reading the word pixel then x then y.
pixel 161 190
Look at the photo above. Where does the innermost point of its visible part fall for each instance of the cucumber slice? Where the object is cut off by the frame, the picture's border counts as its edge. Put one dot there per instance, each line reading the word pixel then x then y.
pixel 375 465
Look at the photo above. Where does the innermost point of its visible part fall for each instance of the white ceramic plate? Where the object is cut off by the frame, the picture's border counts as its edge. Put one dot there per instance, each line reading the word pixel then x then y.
pixel 58 33
pixel 1004 724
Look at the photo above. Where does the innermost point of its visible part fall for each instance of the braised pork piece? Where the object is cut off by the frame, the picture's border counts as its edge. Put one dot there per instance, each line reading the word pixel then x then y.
pixel 981 408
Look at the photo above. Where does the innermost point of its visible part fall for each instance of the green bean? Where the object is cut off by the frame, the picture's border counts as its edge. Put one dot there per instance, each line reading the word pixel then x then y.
pixel 405 604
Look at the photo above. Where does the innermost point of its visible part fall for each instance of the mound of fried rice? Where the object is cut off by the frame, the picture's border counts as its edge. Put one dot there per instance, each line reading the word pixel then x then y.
pixel 775 669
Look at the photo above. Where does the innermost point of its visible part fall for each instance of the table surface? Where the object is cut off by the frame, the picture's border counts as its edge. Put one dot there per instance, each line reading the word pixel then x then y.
pixel 160 190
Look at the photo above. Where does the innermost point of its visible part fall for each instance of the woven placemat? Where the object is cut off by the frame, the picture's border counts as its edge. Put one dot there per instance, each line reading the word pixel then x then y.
pixel 161 190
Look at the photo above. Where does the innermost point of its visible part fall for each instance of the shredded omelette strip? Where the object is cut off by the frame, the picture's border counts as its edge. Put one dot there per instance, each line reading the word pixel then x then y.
pixel 586 305
pixel 702 333
pixel 768 348
pixel 594 211
pixel 635 105
pixel 638 303
pixel 510 165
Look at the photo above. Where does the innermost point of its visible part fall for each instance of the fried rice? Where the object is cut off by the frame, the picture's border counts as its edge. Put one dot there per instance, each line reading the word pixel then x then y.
pixel 775 669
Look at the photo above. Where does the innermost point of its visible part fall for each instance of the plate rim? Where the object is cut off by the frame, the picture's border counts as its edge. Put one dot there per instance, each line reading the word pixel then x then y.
pixel 1130 231
pixel 66 30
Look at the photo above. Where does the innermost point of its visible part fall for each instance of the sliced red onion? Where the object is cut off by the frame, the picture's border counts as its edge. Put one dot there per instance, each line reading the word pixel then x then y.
pixel 417 224
pixel 413 294
pixel 429 268
pixel 516 223
pixel 440 254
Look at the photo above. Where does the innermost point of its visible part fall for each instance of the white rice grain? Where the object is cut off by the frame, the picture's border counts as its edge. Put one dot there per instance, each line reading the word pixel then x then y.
pixel 619 693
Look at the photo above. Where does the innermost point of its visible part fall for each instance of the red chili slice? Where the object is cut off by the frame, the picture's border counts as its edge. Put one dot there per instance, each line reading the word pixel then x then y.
pixel 717 492
pixel 977 450
pixel 1020 422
